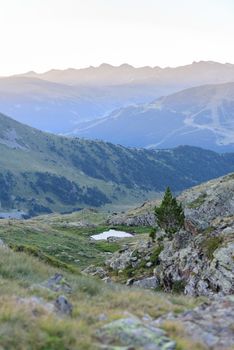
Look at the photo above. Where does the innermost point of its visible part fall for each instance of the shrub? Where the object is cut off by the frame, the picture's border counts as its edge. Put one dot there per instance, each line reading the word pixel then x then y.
pixel 155 255
pixel 152 234
pixel 210 245
pixel 178 286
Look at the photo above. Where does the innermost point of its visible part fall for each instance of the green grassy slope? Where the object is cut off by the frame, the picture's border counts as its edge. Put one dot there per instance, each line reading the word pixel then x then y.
pixel 26 325
pixel 41 172
pixel 63 240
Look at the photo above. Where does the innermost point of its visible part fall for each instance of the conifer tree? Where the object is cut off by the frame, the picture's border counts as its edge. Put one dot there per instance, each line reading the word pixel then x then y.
pixel 170 214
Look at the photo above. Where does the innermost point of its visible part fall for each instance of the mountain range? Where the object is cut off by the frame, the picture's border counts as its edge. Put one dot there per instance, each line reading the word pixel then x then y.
pixel 200 116
pixel 43 173
pixel 59 100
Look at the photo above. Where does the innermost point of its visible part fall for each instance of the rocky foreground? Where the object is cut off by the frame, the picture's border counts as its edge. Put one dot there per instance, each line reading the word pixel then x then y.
pixel 198 261
pixel 166 295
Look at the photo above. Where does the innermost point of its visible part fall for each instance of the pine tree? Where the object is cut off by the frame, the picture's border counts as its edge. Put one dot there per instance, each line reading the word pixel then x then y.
pixel 170 214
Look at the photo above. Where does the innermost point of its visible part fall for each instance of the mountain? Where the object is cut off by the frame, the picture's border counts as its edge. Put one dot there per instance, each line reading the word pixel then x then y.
pixel 200 116
pixel 57 100
pixel 197 73
pixel 41 172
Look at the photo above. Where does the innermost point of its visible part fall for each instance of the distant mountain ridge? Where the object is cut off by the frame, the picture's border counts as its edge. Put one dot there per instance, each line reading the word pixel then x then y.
pixel 197 73
pixel 201 116
pixel 56 101
pixel 43 173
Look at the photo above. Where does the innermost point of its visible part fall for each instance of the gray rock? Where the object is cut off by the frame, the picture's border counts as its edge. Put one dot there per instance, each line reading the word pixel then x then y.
pixel 34 302
pixel 132 333
pixel 149 264
pixel 56 283
pixel 210 200
pixel 3 245
pixel 211 324
pixel 145 219
pixel 107 280
pixel 147 283
pixel 95 271
pixel 63 306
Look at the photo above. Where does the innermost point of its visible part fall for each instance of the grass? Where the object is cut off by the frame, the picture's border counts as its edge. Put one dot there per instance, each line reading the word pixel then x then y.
pixel 198 201
pixel 23 328
pixel 58 244
pixel 210 244
pixel 176 330
pixel 59 240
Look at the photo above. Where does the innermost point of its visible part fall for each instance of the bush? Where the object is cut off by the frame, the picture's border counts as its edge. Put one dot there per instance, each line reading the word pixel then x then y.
pixel 152 234
pixel 155 255
pixel 210 245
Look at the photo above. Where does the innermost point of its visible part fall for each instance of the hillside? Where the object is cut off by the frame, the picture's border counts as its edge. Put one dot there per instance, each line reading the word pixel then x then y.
pixel 201 116
pixel 57 100
pixel 197 259
pixel 49 303
pixel 42 172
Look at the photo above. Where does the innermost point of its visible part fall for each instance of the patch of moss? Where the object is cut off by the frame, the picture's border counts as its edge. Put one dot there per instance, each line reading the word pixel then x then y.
pixel 197 202
pixel 155 255
pixel 210 245
pixel 178 286
pixel 208 230
pixel 104 246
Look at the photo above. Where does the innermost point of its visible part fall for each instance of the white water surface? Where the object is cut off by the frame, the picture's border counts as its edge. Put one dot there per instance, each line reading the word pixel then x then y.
pixel 111 233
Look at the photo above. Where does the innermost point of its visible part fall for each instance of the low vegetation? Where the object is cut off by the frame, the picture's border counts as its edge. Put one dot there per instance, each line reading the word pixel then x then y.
pixel 94 304
pixel 210 244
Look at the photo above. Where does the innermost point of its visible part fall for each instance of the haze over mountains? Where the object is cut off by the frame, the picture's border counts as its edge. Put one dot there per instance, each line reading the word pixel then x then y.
pixel 58 101
pixel 201 116
pixel 43 173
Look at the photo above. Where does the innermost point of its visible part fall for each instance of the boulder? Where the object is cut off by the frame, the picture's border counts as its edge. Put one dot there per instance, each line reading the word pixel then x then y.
pixel 56 283
pixel 95 271
pixel 132 333
pixel 147 283
pixel 63 306
pixel 210 324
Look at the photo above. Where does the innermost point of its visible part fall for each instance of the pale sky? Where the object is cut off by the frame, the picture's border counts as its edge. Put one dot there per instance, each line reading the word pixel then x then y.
pixel 43 34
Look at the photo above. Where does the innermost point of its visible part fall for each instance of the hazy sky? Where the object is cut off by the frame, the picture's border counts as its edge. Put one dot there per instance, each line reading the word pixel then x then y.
pixel 44 34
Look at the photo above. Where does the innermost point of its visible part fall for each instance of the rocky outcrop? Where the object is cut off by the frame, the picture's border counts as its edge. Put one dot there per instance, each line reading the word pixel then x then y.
pixel 208 202
pixel 56 283
pixel 131 256
pixel 95 271
pixel 202 205
pixel 132 333
pixel 145 219
pixel 147 283
pixel 202 264
pixel 211 323
pixel 199 259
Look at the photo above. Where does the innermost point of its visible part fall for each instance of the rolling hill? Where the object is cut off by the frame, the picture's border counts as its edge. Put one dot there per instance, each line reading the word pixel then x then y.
pixel 201 116
pixel 41 172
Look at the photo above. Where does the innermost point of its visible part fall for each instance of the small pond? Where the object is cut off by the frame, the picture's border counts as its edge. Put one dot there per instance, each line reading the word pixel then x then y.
pixel 111 233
